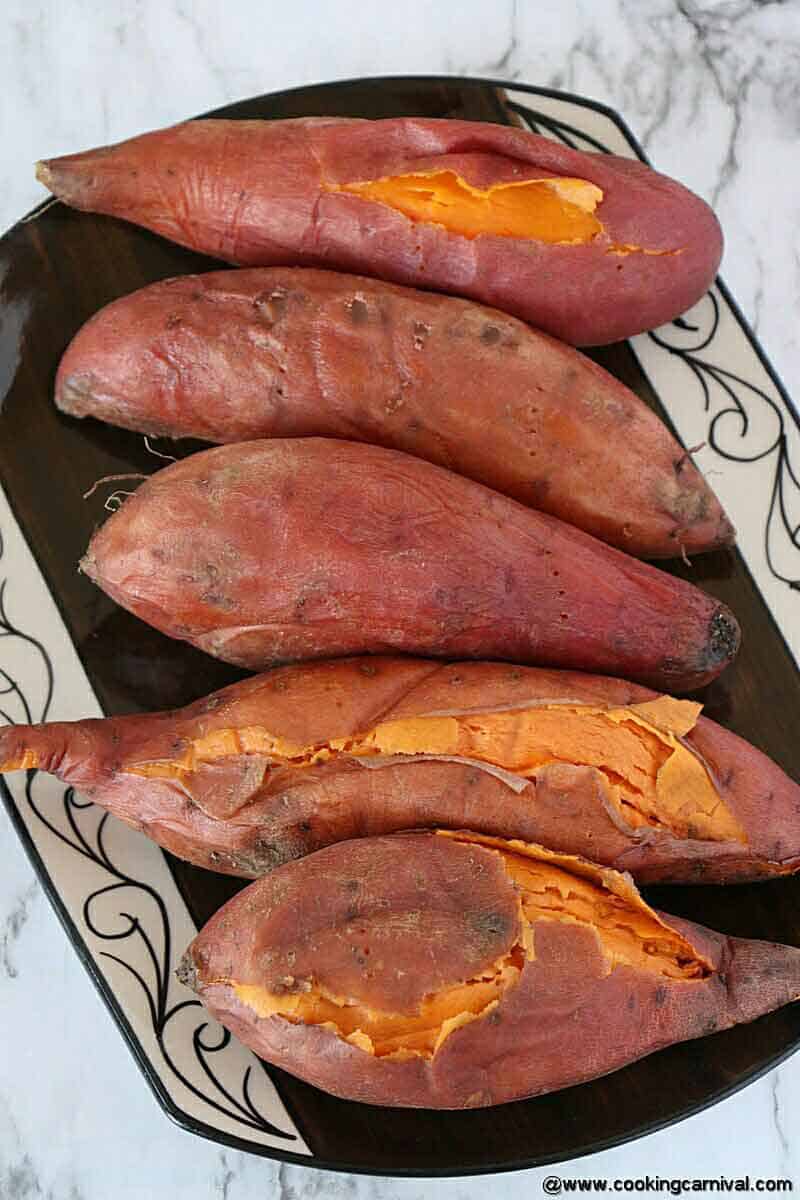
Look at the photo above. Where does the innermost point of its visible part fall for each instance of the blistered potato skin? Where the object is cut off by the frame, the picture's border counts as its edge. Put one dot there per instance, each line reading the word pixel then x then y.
pixel 258 193
pixel 315 548
pixel 234 355
pixel 567 1020
pixel 227 817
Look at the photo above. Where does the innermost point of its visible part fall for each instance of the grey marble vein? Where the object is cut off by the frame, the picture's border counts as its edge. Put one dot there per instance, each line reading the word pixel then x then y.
pixel 224 1177
pixel 777 1116
pixel 505 65
pixel 18 1180
pixel 188 15
pixel 13 924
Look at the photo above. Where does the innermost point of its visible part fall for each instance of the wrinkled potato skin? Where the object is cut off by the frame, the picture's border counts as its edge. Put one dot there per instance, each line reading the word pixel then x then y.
pixel 569 1019
pixel 225 818
pixel 234 355
pixel 253 193
pixel 314 548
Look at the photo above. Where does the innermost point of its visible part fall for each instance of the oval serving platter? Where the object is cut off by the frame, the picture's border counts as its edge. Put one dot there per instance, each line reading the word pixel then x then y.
pixel 67 652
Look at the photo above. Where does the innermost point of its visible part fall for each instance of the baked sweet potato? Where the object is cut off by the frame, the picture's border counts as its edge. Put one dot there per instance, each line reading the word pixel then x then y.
pixel 460 971
pixel 589 247
pixel 271 551
pixel 284 763
pixel 282 352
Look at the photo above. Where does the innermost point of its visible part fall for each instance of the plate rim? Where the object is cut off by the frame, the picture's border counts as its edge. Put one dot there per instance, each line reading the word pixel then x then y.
pixel 184 1120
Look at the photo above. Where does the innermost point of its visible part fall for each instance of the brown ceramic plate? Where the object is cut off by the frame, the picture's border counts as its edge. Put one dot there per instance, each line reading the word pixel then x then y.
pixel 67 651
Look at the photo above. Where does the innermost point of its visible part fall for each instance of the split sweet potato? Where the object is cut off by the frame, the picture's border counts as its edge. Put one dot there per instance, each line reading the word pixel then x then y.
pixel 460 971
pixel 589 247
pixel 280 765
pixel 282 352
pixel 281 550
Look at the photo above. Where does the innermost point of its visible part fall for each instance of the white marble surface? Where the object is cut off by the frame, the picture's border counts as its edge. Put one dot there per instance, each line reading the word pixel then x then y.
pixel 713 90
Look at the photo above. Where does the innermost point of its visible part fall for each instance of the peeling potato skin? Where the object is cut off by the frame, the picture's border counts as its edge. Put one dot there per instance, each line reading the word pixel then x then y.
pixel 314 548
pixel 249 831
pixel 253 193
pixel 568 1019
pixel 234 355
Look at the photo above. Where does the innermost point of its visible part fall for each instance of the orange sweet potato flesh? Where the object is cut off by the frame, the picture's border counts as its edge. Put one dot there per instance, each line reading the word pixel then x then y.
pixel 278 766
pixel 233 355
pixel 588 247
pixel 460 971
pixel 315 548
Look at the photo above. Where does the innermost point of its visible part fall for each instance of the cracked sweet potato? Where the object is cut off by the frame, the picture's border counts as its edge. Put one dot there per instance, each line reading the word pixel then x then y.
pixel 282 764
pixel 461 971
pixel 270 551
pixel 589 247
pixel 282 352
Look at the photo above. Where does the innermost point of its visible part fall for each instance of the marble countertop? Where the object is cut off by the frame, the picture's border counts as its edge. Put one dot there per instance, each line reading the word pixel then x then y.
pixel 712 89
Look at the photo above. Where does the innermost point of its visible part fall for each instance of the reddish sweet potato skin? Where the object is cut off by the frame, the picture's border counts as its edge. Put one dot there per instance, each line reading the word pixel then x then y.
pixel 234 355
pixel 253 193
pixel 314 548
pixel 342 918
pixel 243 817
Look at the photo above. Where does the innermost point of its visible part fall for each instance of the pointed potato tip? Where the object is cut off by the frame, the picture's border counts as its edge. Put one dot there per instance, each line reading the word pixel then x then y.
pixel 762 976
pixel 44 174
pixel 86 565
pixel 186 971
pixel 725 637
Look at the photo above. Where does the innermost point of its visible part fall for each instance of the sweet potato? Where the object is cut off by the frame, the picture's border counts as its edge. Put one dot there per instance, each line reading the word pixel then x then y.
pixel 234 355
pixel 270 551
pixel 589 247
pixel 461 971
pixel 284 763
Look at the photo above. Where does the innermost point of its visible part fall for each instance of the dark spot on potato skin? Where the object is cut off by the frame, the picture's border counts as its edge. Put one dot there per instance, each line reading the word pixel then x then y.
pixel 492 924
pixel 351 885
pixel 421 334
pixel 490 335
pixel 660 996
pixel 367 669
pixel 218 600
pixel 358 310
pixel 186 972
pixel 631 1003
pixel 271 306
pixel 539 490
pixel 724 638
